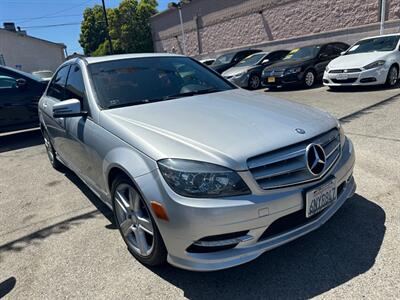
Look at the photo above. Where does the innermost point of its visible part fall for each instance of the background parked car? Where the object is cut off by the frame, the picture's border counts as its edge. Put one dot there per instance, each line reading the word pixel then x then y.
pixel 207 61
pixel 44 74
pixel 247 73
pixel 19 95
pixel 370 61
pixel 303 66
pixel 228 60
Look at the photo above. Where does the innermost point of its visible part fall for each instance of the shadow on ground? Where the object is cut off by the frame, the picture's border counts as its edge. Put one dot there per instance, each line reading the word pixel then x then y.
pixel 60 227
pixel 7 286
pixel 343 248
pixel 20 140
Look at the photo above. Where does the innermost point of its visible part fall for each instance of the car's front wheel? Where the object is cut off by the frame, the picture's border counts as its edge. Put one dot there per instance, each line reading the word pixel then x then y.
pixel 254 82
pixel 392 76
pixel 51 153
pixel 309 79
pixel 136 224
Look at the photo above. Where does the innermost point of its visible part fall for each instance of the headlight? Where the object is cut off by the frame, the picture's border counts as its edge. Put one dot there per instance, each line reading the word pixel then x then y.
pixel 375 64
pixel 293 70
pixel 327 69
pixel 201 180
pixel 239 74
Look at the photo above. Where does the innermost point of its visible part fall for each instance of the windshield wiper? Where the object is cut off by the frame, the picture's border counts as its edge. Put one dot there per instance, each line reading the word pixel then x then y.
pixel 192 93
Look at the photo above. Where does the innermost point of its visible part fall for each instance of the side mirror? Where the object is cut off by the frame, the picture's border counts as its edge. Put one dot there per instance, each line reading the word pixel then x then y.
pixel 21 82
pixel 323 56
pixel 265 61
pixel 343 53
pixel 68 108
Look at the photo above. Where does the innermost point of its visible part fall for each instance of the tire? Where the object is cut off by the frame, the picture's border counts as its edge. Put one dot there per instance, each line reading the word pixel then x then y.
pixel 309 79
pixel 135 222
pixel 254 82
pixel 51 153
pixel 392 76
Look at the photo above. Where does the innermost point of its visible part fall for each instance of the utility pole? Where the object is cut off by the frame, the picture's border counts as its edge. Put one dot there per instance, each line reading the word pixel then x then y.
pixel 179 7
pixel 107 29
pixel 383 16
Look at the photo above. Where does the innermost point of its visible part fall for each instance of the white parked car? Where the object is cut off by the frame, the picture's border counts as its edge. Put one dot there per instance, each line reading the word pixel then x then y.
pixel 370 61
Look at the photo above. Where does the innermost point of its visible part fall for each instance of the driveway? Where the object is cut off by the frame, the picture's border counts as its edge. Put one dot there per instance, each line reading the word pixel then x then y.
pixel 57 240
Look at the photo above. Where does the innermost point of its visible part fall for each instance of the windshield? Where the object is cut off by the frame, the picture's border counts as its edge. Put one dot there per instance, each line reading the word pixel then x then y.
pixel 224 59
pixel 386 43
pixel 251 60
pixel 303 53
pixel 143 80
pixel 43 74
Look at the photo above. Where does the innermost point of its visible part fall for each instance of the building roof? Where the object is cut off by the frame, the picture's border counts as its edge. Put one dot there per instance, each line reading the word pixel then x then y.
pixel 32 37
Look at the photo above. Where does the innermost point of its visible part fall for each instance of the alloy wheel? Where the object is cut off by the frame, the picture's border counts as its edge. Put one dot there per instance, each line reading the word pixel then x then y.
pixel 49 148
pixel 309 79
pixel 134 220
pixel 254 82
pixel 393 75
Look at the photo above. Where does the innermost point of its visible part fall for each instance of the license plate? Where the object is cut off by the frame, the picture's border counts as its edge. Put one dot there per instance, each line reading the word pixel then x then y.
pixel 271 79
pixel 342 76
pixel 320 198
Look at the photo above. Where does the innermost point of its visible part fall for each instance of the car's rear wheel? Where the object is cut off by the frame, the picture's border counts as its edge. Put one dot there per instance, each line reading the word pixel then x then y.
pixel 136 224
pixel 254 82
pixel 51 153
pixel 309 79
pixel 392 76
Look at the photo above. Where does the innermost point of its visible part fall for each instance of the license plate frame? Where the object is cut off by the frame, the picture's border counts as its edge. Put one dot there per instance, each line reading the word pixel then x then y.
pixel 320 198
pixel 342 76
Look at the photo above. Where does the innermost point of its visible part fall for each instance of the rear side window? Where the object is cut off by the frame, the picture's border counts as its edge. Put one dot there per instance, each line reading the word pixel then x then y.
pixel 75 87
pixel 57 85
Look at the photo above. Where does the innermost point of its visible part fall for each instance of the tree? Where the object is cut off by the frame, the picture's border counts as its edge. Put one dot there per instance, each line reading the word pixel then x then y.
pixel 129 27
pixel 93 29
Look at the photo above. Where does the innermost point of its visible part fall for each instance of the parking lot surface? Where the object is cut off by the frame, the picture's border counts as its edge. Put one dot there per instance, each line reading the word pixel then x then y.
pixel 57 240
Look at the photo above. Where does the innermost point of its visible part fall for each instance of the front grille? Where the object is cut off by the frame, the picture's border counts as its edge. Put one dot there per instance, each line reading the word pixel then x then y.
pixel 274 73
pixel 287 166
pixel 349 80
pixel 345 71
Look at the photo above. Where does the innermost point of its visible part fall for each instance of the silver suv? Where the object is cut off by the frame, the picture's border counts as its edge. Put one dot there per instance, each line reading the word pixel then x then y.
pixel 198 172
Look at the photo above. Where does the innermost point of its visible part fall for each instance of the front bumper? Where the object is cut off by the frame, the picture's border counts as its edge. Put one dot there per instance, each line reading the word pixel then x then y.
pixel 241 81
pixel 282 79
pixel 365 77
pixel 193 219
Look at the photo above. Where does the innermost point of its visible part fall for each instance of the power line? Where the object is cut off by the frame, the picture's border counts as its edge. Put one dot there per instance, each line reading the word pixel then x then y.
pixel 49 17
pixel 50 25
pixel 55 13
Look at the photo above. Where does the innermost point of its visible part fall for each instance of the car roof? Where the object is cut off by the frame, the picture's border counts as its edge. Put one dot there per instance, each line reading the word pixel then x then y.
pixel 98 59
pixel 22 73
pixel 378 36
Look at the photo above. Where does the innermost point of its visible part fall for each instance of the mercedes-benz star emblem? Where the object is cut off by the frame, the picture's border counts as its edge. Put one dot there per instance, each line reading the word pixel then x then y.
pixel 300 131
pixel 316 159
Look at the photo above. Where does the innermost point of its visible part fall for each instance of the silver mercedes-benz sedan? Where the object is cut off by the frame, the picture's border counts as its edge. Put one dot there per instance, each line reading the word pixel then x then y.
pixel 198 172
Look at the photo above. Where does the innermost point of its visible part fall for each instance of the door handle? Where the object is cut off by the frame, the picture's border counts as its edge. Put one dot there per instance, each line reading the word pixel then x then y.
pixel 44 104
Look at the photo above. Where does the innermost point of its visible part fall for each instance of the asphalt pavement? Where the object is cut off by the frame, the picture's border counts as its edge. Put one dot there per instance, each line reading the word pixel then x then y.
pixel 58 241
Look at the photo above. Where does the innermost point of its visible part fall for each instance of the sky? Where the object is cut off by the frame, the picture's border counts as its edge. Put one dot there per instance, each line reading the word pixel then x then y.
pixel 31 14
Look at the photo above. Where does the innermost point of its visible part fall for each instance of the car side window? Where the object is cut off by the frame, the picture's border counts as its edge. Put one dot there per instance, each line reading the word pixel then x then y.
pixel 75 87
pixel 7 82
pixel 57 85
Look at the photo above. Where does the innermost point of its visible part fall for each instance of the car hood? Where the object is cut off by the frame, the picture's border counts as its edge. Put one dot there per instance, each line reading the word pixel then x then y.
pixel 358 60
pixel 237 70
pixel 285 64
pixel 224 128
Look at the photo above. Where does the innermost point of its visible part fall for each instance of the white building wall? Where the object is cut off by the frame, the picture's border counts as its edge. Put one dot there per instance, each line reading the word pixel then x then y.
pixel 30 53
